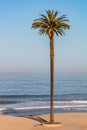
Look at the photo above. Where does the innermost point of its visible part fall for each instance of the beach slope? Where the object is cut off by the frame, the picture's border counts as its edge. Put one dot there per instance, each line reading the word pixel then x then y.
pixel 70 121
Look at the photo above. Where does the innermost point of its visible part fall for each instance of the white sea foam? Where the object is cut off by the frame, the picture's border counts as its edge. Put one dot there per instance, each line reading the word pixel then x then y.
pixel 45 105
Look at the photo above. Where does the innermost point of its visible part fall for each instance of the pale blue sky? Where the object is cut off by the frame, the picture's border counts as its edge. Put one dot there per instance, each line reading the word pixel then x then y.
pixel 22 49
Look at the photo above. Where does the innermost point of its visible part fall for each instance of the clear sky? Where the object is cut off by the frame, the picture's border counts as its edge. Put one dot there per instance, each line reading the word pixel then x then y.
pixel 23 49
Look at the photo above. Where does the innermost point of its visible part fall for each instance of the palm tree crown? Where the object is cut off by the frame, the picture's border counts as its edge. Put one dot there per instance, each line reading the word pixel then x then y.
pixel 50 24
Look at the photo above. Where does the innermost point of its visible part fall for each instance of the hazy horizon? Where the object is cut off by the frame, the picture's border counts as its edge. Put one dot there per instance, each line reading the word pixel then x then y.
pixel 58 70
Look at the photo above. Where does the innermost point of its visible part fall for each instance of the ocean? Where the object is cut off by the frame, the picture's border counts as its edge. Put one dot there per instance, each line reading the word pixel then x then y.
pixel 29 93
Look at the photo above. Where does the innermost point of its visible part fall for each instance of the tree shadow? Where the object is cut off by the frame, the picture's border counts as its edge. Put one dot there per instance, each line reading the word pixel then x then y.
pixel 36 118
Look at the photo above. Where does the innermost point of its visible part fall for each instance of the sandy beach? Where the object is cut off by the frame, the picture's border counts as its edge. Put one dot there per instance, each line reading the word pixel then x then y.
pixel 70 121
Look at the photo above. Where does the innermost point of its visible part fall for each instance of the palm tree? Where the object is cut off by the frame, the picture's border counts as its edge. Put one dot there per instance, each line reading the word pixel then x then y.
pixel 50 25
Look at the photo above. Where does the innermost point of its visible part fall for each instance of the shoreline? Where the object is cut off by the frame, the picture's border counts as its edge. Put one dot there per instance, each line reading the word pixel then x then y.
pixel 28 112
pixel 70 121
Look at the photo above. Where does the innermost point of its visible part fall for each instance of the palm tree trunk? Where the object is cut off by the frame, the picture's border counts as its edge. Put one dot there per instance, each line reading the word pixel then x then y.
pixel 51 79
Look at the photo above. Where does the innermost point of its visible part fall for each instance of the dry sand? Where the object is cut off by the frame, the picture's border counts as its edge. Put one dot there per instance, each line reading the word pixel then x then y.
pixel 70 121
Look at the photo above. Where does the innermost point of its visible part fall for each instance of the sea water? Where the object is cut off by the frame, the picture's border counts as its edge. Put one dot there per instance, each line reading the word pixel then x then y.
pixel 29 93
